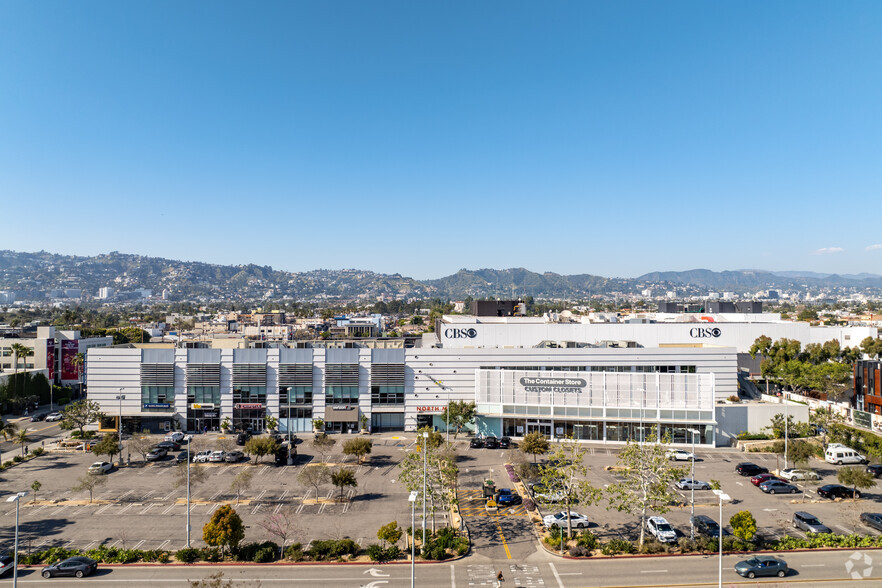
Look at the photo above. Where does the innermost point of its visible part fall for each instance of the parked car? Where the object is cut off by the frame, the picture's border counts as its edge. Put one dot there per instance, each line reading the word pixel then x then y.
pixel 762 478
pixel 202 456
pixel 778 487
pixel 750 469
pixel 53 416
pixel 579 521
pixel 504 442
pixel 100 467
pixel 679 455
pixel 705 525
pixel 168 445
pixel 832 491
pixel 281 456
pixel 5 564
pixel 491 443
pixel 661 529
pixel 242 438
pixel 38 417
pixel 876 470
pixel 794 474
pixel 543 494
pixel 476 443
pixel 175 437
pixel 872 519
pixel 182 456
pixel 689 484
pixel 839 454
pixel 156 454
pixel 234 456
pixel 78 566
pixel 216 456
pixel 809 523
pixel 762 565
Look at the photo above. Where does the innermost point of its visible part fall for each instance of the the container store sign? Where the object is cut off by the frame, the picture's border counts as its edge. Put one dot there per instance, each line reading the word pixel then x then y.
pixel 430 409
pixel 248 406
pixel 554 385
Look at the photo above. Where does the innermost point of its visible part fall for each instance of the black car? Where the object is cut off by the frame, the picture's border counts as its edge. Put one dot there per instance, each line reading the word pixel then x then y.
pixel 476 443
pixel 504 442
pixel 281 456
pixel 832 491
pixel 491 443
pixel 243 437
pixel 876 470
pixel 38 417
pixel 78 566
pixel 872 519
pixel 182 457
pixel 704 525
pixel 750 469
pixel 6 564
pixel 168 446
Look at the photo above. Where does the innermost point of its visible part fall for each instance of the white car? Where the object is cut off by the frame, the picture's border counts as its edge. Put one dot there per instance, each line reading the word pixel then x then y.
pixel 53 416
pixel 579 521
pixel 175 437
pixel 794 474
pixel 661 529
pixel 100 467
pixel 202 456
pixel 679 455
pixel 216 456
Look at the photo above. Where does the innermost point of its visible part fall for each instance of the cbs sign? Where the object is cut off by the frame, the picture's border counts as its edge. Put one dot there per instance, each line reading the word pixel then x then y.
pixel 460 333
pixel 705 332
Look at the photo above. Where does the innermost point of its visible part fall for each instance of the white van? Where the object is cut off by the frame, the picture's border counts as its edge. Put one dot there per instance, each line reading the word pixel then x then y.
pixel 839 454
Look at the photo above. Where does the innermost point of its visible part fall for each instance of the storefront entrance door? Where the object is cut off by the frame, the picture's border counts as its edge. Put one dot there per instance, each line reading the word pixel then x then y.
pixel 543 427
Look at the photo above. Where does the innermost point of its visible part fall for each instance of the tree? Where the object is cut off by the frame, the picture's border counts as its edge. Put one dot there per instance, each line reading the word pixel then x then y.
pixel 359 447
pixel 322 445
pixel 743 525
pixel 8 429
pixel 390 533
pixel 461 413
pixel 823 417
pixel 19 351
pixel 342 478
pixel 261 446
pixel 241 483
pixel 197 475
pixel 22 439
pixel 225 529
pixel 534 444
pixel 90 483
pixel 35 486
pixel 648 476
pixel 799 453
pixel 564 475
pixel 80 414
pixel 281 524
pixel 440 474
pixel 108 446
pixel 856 477
pixel 271 423
pixel 315 476
pixel 78 361
pixel 141 445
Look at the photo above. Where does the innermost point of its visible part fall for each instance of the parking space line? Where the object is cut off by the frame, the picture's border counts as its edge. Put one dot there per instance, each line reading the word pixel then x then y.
pixel 140 543
pixel 169 509
pixel 127 508
pixel 149 506
pixel 163 544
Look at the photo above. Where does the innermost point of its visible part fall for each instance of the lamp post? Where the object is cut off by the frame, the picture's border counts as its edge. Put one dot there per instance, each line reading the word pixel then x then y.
pixel 692 486
pixel 723 496
pixel 16 498
pixel 412 499
pixel 189 459
pixel 784 396
pixel 120 397
pixel 425 463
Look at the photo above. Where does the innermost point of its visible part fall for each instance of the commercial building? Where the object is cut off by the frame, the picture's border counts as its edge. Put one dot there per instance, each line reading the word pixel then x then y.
pixel 868 386
pixel 601 394
pixel 52 350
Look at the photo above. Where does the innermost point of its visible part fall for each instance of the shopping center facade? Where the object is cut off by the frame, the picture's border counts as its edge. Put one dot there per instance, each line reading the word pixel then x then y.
pixel 599 394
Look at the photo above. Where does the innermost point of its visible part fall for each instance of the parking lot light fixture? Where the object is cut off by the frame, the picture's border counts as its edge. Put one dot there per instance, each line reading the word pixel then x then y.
pixel 412 499
pixel 16 498
pixel 425 464
pixel 723 496
pixel 692 491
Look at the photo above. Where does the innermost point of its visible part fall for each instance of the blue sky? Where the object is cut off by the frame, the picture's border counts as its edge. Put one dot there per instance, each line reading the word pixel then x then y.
pixel 612 138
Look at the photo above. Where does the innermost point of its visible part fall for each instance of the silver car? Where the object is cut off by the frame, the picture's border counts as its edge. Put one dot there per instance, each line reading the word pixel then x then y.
pixel 809 523
pixel 691 484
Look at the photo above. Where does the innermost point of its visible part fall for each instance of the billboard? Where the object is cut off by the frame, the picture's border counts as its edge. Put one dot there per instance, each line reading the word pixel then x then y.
pixel 69 350
pixel 50 359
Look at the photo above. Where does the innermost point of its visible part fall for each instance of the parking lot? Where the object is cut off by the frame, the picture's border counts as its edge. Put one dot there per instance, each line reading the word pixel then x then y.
pixel 140 506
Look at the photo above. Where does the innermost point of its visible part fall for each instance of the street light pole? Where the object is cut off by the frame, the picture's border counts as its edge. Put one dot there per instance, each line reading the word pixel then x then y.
pixel 16 498
pixel 412 499
pixel 692 493
pixel 784 395
pixel 723 496
pixel 189 458
pixel 120 397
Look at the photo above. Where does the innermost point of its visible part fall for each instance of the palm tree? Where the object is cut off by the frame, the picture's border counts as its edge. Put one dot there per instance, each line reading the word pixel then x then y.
pixel 21 438
pixel 19 350
pixel 8 429
pixel 78 360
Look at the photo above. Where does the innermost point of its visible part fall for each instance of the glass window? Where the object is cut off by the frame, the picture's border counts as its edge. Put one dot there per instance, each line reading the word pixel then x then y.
pixel 157 395
pixel 387 395
pixel 341 394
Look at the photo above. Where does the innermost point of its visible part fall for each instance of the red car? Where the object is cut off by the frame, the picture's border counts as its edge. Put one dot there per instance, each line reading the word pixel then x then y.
pixel 760 478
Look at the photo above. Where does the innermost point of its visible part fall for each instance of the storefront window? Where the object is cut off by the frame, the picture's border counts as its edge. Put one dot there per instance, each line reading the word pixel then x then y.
pixel 157 398
pixel 341 395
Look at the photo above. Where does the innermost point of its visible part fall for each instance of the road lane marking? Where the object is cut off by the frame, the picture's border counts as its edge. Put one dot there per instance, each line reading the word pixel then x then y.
pixel 556 575
pixel 504 542
pixel 452 576
pixel 653 571
pixel 813 565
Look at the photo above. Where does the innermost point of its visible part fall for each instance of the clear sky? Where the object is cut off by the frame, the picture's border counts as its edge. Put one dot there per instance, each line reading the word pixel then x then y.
pixel 612 138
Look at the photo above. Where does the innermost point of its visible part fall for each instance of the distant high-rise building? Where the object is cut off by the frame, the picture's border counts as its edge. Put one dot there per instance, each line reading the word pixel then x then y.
pixel 7 296
pixel 106 292
pixel 647 293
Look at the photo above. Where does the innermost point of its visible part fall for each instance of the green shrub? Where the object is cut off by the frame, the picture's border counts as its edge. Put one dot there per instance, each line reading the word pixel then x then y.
pixel 18 459
pixel 163 557
pixel 376 553
pixel 187 555
pixel 38 451
pixel 615 546
pixel 745 436
pixel 8 463
pixel 294 552
pixel 212 554
pixel 579 551
pixel 266 554
pixel 587 539
pixel 393 552
pixel 462 546
pixel 653 546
